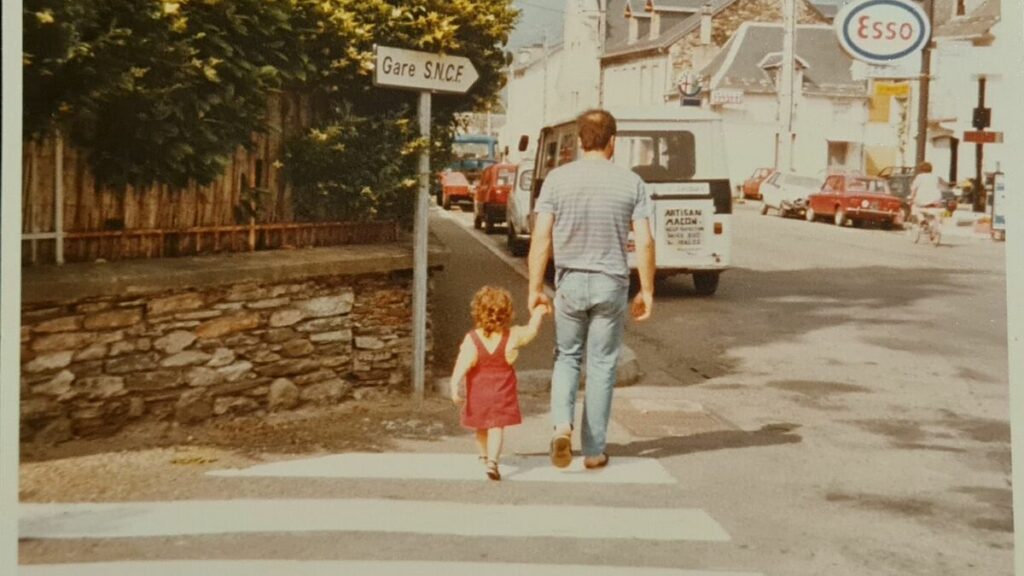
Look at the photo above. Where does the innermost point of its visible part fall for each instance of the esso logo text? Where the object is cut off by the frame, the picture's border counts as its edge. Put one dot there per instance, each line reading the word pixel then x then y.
pixel 882 31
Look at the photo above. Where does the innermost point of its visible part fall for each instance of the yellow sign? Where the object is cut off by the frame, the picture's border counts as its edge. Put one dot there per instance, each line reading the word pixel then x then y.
pixel 898 89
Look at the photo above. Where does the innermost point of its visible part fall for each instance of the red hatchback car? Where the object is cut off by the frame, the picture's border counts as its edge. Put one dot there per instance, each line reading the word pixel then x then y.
pixel 490 205
pixel 856 199
pixel 752 185
pixel 454 189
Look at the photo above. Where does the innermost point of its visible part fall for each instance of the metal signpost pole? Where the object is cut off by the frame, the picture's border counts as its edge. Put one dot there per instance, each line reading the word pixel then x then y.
pixel 925 86
pixel 419 293
pixel 980 195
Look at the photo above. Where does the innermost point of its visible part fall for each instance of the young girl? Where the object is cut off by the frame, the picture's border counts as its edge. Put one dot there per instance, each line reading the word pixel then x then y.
pixel 485 361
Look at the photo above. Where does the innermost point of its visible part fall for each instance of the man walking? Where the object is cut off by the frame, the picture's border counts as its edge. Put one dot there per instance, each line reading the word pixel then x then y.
pixel 584 213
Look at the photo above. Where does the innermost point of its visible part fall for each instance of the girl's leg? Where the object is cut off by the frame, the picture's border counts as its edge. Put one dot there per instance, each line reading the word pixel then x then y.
pixel 495 437
pixel 481 442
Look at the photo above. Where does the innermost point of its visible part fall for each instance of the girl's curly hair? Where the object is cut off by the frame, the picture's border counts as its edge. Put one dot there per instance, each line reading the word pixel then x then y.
pixel 492 309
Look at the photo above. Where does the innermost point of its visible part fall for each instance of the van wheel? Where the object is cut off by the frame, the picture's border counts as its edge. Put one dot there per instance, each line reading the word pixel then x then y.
pixel 447 204
pixel 706 283
pixel 515 247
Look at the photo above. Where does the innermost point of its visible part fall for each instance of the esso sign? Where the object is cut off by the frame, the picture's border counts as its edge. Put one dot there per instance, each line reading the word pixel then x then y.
pixel 881 31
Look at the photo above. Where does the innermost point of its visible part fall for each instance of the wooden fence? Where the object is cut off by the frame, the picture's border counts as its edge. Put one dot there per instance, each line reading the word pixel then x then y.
pixel 157 220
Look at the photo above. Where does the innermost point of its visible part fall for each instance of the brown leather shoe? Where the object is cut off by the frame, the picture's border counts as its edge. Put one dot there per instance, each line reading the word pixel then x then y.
pixel 592 463
pixel 561 450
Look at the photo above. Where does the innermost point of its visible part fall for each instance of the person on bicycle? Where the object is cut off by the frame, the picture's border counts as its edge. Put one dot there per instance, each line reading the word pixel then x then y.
pixel 926 193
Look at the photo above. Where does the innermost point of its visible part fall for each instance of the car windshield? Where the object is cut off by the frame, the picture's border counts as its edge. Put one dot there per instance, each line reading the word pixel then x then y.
pixel 471 150
pixel 855 185
pixel 506 177
pixel 657 156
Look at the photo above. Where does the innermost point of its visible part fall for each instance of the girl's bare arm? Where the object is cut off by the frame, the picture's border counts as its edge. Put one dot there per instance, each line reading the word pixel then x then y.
pixel 465 361
pixel 526 334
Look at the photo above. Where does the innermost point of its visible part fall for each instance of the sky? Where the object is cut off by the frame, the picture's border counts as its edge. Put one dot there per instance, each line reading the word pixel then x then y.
pixel 537 16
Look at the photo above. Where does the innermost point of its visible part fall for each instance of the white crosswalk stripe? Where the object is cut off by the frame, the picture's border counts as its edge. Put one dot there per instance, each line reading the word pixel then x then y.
pixel 456 467
pixel 336 568
pixel 376 518
pixel 195 517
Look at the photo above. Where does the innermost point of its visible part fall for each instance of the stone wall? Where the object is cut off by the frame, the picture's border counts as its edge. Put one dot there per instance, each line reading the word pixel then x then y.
pixel 94 363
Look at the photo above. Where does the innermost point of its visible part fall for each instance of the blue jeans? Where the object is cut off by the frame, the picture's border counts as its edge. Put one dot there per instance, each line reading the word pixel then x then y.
pixel 590 314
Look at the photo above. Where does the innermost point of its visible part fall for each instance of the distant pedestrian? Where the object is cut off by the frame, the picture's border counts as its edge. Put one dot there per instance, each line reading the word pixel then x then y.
pixel 585 211
pixel 926 189
pixel 485 362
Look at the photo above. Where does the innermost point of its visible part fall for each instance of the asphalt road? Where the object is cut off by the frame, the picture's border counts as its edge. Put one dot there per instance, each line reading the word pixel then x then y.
pixel 840 407
pixel 861 390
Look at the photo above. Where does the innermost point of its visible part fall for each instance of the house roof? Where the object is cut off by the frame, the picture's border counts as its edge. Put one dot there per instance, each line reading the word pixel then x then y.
pixel 619 45
pixel 742 63
pixel 978 23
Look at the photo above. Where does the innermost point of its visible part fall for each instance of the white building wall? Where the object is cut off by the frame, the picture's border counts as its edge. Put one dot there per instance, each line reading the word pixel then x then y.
pixel 639 82
pixel 956 66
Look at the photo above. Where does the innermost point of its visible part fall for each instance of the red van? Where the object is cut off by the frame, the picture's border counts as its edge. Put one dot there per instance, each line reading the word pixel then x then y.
pixel 490 203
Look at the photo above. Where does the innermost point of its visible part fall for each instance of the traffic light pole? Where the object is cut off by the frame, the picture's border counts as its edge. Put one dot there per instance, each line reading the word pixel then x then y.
pixel 980 196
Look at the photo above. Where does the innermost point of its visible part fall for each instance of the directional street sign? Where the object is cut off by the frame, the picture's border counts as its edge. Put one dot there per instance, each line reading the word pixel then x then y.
pixel 413 70
pixel 426 73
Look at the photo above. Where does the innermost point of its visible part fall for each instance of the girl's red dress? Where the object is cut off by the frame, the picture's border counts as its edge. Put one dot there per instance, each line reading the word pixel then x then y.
pixel 491 397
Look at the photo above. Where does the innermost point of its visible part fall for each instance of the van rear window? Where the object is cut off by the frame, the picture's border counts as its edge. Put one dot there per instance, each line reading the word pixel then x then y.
pixel 658 156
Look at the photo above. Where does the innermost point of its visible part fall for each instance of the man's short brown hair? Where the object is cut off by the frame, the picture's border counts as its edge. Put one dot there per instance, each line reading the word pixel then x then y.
pixel 596 127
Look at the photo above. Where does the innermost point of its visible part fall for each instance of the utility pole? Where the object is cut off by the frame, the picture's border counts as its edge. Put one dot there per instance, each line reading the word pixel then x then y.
pixel 784 141
pixel 923 96
pixel 544 92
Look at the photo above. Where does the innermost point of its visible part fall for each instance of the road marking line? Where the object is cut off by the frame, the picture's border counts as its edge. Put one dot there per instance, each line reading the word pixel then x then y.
pixel 361 568
pixel 198 517
pixel 418 466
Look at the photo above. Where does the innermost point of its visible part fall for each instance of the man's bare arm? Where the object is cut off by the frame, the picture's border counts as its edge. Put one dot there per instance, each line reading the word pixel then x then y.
pixel 540 252
pixel 644 242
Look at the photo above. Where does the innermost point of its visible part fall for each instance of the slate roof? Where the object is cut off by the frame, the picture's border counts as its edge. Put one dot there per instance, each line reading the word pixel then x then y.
pixel 976 24
pixel 619 45
pixel 742 63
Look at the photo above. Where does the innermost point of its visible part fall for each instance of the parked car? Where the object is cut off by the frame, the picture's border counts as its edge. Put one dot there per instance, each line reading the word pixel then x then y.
pixel 490 202
pixel 856 199
pixel 518 220
pixel 455 189
pixel 786 193
pixel 752 185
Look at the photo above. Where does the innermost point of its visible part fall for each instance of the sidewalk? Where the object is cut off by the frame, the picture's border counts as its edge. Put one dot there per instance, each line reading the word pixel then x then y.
pixel 473 264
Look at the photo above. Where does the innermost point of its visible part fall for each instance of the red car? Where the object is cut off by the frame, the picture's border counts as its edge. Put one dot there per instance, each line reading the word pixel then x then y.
pixel 856 199
pixel 752 185
pixel 490 205
pixel 454 188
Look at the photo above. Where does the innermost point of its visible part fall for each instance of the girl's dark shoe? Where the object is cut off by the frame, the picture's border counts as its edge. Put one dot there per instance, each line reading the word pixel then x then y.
pixel 492 470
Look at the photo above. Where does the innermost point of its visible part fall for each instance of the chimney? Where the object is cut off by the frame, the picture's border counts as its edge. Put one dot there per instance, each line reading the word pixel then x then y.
pixel 634 29
pixel 705 24
pixel 655 25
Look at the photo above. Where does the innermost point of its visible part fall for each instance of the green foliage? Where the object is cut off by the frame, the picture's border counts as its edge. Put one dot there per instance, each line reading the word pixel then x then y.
pixel 166 90
pixel 338 173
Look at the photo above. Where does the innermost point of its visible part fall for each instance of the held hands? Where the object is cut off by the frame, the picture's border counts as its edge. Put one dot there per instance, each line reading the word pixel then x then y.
pixel 536 299
pixel 641 307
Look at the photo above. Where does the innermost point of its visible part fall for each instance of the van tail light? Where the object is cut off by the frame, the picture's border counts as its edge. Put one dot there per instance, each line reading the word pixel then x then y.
pixel 718 227
pixel 630 246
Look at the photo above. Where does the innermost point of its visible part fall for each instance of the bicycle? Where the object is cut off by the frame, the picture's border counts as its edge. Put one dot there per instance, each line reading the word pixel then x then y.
pixel 928 223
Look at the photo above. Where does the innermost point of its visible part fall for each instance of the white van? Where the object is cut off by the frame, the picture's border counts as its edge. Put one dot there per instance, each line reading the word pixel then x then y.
pixel 680 154
pixel 518 215
pixel 787 193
